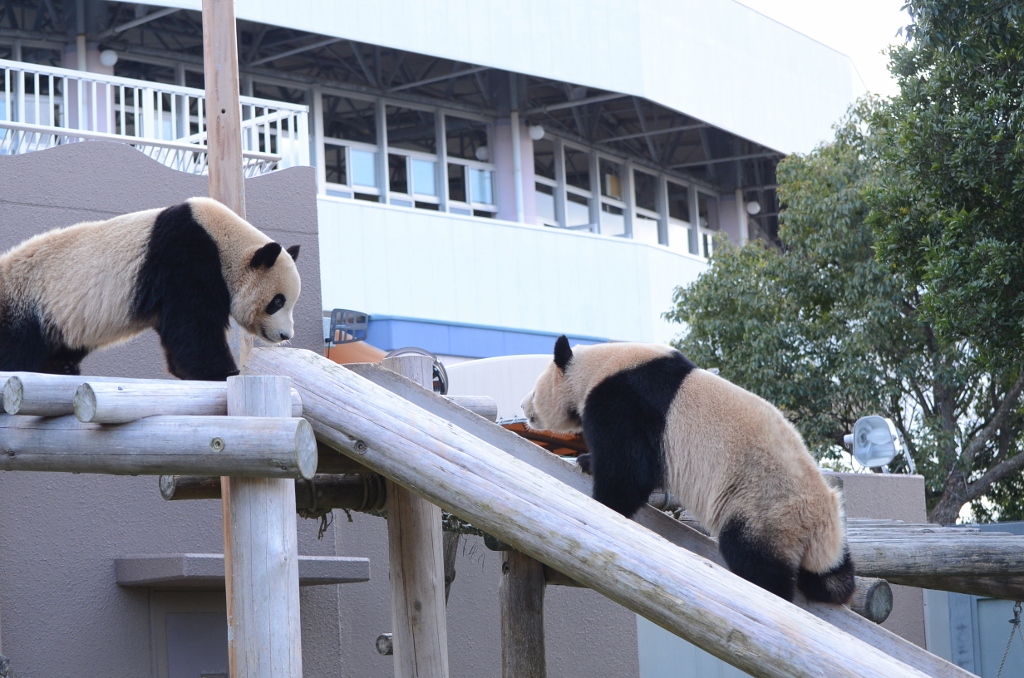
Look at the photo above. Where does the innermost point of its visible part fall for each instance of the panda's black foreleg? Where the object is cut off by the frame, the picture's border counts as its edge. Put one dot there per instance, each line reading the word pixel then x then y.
pixel 196 345
pixel 624 460
pixel 754 560
pixel 64 360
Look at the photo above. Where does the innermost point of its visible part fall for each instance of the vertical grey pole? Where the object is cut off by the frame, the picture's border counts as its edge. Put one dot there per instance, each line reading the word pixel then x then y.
pixel 416 555
pixel 521 597
pixel 261 552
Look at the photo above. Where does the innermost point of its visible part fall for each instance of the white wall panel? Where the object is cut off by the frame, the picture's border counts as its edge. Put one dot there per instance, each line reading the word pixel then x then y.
pixel 716 60
pixel 420 264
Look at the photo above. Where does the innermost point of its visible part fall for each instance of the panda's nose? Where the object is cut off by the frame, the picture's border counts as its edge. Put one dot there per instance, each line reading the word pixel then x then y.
pixel 285 337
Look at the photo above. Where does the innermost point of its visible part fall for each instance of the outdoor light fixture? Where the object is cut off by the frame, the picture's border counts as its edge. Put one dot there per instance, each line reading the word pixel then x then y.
pixel 108 58
pixel 875 442
pixel 482 153
pixel 536 132
pixel 753 207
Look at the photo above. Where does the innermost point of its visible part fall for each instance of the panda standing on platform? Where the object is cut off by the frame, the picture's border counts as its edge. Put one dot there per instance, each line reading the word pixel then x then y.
pixel 652 419
pixel 182 270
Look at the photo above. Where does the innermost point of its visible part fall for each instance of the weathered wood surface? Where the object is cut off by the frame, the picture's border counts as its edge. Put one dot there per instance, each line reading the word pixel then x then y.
pixel 416 563
pixel 938 555
pixel 872 599
pixel 273 447
pixel 521 599
pixel 48 395
pixel 119 403
pixel 123 400
pixel 679 534
pixel 482 406
pixel 567 530
pixel 351 492
pixel 261 558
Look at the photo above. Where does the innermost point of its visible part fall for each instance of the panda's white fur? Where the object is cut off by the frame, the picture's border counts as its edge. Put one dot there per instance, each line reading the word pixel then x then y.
pixel 651 418
pixel 67 292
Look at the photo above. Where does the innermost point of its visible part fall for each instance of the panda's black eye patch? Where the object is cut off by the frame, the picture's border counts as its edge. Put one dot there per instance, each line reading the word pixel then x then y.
pixel 275 305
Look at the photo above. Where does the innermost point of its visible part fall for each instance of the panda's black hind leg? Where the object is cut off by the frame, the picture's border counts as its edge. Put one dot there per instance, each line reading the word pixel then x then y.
pixel 752 559
pixel 65 360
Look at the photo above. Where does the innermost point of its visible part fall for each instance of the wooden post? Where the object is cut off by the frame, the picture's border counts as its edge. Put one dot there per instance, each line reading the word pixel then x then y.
pixel 521 596
pixel 416 560
pixel 261 560
pixel 224 125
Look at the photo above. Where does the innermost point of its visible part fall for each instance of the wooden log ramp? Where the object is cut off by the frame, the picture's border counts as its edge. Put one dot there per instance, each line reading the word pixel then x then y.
pixel 678 533
pixel 565 529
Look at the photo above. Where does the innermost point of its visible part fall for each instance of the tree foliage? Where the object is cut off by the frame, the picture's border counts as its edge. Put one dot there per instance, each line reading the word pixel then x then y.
pixel 900 286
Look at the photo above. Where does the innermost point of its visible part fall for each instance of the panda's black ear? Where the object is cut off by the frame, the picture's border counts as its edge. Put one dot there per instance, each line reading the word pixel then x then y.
pixel 265 256
pixel 293 252
pixel 563 353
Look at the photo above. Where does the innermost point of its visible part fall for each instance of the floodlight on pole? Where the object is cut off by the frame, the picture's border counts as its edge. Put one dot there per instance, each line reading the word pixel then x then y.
pixel 875 442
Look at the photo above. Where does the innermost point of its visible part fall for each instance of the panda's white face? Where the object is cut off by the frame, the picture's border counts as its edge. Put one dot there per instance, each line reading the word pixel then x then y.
pixel 264 302
pixel 554 403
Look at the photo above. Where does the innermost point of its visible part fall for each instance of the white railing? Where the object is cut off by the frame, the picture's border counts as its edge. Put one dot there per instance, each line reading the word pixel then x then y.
pixel 42 107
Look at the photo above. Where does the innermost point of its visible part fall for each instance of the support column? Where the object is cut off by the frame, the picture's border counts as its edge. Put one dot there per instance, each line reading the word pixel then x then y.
pixel 521 598
pixel 261 561
pixel 416 559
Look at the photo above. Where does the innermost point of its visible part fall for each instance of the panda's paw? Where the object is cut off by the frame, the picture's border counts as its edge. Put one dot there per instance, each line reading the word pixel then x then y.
pixel 583 461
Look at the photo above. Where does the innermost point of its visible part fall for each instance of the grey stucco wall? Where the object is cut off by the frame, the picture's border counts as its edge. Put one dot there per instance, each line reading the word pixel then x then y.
pixel 61 613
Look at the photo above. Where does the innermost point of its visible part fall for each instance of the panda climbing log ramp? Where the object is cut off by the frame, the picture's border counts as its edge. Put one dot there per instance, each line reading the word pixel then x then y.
pixel 563 528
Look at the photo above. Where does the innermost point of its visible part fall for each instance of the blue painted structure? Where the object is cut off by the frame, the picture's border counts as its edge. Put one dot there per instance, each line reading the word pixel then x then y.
pixel 461 339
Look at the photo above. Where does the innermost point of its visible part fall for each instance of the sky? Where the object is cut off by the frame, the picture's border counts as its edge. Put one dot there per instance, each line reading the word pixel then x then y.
pixel 861 29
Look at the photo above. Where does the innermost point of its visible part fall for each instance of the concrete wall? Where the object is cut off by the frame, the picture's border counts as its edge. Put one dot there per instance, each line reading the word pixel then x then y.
pixel 395 261
pixel 61 613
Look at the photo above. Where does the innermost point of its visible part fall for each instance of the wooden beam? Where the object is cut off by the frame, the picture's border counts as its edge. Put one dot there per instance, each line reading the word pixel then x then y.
pixel 49 395
pixel 676 532
pixel 120 403
pixel 351 492
pixel 261 559
pixel 274 447
pixel 698 600
pixel 521 598
pixel 416 563
pixel 939 555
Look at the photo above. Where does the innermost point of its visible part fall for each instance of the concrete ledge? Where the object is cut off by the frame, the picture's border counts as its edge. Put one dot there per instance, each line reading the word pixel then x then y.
pixel 197 571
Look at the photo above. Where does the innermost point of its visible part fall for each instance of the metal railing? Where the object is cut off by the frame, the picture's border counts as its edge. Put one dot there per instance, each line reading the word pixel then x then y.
pixel 42 107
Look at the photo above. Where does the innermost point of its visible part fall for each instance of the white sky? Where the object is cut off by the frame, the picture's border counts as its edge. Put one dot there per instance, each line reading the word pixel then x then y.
pixel 861 29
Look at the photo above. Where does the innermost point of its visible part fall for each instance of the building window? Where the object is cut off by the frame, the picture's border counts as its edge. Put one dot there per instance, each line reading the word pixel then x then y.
pixel 645 201
pixel 577 188
pixel 707 215
pixel 613 204
pixel 412 157
pixel 470 174
pixel 680 232
pixel 350 147
pixel 545 181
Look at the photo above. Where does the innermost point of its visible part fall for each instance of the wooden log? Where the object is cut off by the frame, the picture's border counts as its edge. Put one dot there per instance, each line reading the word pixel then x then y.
pixel 939 555
pixel 350 492
pixel 521 598
pixel 416 564
pixel 49 395
pixel 272 447
pixel 261 559
pixel 119 403
pixel 483 406
pixel 1007 588
pixel 680 534
pixel 698 600
pixel 872 599
pixel 54 395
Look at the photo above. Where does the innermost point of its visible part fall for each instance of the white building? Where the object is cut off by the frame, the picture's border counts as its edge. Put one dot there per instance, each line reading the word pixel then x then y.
pixel 491 174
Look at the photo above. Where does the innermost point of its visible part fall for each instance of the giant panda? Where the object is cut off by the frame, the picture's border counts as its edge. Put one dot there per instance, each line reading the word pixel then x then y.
pixel 652 419
pixel 182 270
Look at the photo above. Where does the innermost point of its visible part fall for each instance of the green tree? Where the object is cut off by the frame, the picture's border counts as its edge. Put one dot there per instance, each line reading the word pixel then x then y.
pixel 829 332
